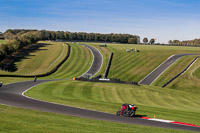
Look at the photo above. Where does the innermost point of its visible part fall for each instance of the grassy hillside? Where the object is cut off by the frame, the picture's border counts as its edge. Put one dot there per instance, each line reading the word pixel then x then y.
pixel 78 62
pixel 131 66
pixel 164 103
pixel 23 121
pixel 41 60
pixel 172 71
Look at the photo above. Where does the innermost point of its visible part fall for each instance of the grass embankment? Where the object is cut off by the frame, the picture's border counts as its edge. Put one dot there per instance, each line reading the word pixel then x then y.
pixel 131 66
pixel 2 41
pixel 162 102
pixel 40 60
pixel 24 120
pixel 189 81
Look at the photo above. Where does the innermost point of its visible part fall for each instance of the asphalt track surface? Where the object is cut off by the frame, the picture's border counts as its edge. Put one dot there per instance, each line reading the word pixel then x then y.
pixel 150 78
pixel 13 95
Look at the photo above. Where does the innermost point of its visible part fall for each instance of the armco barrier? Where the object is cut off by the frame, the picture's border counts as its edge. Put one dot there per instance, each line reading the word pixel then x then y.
pixel 108 81
pixel 45 74
pixel 179 73
pixel 108 65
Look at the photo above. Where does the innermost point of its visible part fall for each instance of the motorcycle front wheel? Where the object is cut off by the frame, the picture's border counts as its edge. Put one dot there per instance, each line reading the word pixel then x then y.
pixel 118 112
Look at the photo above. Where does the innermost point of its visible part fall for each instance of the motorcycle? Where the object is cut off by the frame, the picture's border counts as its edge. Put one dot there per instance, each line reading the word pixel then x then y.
pixel 127 110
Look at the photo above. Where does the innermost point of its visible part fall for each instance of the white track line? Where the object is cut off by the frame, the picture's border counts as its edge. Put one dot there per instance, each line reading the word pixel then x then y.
pixel 170 121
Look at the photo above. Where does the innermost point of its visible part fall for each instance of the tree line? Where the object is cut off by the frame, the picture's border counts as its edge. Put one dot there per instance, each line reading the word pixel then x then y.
pixel 194 42
pixel 19 38
pixel 76 36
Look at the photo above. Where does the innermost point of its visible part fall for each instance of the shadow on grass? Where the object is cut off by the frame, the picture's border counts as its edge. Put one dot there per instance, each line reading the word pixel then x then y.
pixel 10 63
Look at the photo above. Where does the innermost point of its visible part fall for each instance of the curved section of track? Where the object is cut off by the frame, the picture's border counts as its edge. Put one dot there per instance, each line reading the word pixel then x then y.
pixel 97 61
pixel 151 77
pixel 11 94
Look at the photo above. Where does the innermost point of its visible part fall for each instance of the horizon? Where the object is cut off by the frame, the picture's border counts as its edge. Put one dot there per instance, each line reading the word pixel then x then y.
pixel 160 19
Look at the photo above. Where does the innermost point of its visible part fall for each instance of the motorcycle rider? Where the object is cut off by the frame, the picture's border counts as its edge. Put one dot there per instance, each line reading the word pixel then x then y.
pixel 130 106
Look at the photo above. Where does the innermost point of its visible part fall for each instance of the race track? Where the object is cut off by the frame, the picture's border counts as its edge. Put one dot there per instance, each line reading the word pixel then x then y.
pixel 151 77
pixel 12 94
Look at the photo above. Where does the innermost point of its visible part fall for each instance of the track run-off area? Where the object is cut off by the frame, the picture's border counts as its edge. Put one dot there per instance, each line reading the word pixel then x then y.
pixel 13 95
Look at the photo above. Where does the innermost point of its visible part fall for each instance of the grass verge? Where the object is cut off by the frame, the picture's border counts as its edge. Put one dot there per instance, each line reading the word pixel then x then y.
pixel 24 120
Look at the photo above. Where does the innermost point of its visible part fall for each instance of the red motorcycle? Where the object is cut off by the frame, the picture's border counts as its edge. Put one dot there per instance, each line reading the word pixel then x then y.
pixel 127 110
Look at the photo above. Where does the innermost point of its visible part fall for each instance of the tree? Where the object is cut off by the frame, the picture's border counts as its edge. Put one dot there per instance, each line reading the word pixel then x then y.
pixel 145 40
pixel 152 41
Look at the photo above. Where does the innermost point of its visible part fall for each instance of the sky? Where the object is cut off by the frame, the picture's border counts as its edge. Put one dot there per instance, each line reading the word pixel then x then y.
pixel 162 19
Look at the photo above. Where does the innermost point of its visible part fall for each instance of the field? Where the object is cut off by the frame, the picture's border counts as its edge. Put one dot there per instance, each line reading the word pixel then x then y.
pixel 23 121
pixel 108 97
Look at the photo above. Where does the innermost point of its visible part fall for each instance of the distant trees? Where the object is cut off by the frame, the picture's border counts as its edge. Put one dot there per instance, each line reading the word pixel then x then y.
pixel 145 40
pixel 76 36
pixel 185 43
